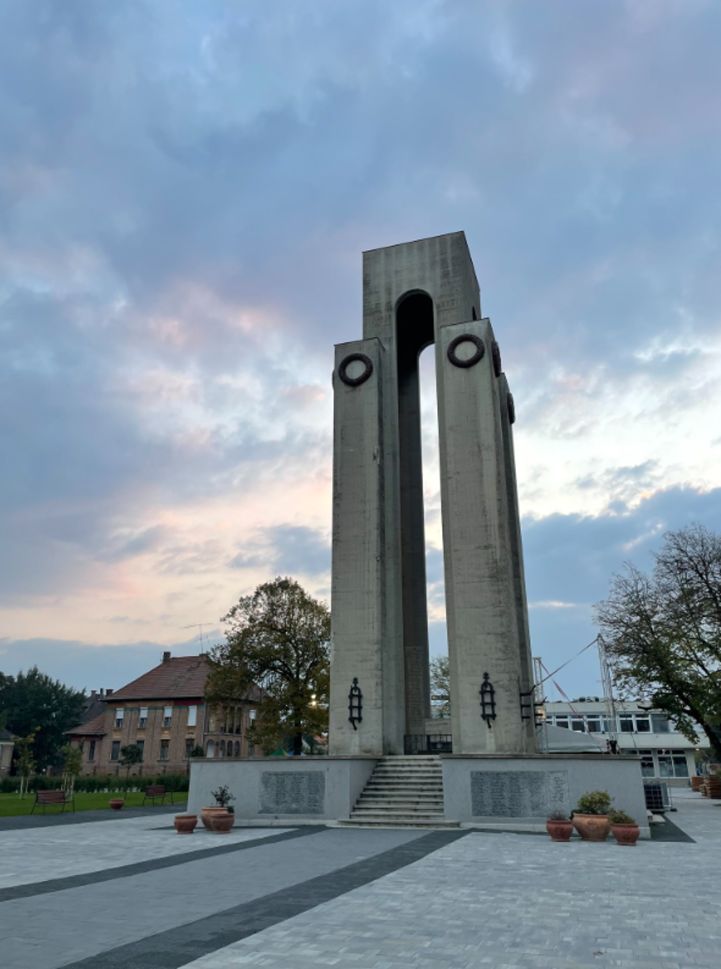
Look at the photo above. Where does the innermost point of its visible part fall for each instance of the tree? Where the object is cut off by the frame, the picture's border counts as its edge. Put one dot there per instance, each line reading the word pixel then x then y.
pixel 277 639
pixel 440 688
pixel 662 632
pixel 72 763
pixel 25 761
pixel 129 756
pixel 32 702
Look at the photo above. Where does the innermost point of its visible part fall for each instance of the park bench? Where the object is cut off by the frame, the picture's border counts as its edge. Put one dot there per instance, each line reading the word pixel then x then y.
pixel 155 792
pixel 53 797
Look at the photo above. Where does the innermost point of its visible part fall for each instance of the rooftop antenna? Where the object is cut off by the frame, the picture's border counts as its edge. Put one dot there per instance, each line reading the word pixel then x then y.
pixel 199 625
pixel 608 693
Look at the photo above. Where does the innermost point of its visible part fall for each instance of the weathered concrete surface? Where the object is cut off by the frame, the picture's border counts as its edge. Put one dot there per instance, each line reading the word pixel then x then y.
pixel 413 295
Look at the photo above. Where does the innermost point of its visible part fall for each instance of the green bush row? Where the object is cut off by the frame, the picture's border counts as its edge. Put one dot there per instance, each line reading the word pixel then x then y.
pixel 88 785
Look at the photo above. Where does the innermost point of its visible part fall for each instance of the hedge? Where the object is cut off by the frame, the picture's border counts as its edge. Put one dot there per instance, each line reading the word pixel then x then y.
pixel 88 785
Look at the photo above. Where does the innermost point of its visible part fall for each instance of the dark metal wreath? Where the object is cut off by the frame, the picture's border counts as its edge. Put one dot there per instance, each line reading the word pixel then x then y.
pixel 362 377
pixel 470 361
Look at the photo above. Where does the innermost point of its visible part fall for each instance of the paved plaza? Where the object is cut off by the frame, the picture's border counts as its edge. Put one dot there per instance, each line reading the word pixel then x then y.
pixel 128 892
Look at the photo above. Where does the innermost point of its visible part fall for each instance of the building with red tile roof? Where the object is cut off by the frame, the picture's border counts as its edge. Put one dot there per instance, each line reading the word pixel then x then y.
pixel 164 712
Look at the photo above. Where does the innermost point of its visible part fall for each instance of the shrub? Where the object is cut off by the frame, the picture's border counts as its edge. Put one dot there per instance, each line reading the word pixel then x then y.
pixel 620 817
pixel 594 802
pixel 222 796
pixel 558 816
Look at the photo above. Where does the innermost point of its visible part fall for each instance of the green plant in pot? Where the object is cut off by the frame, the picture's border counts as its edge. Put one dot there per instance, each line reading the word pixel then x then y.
pixel 624 828
pixel 590 818
pixel 221 816
pixel 559 826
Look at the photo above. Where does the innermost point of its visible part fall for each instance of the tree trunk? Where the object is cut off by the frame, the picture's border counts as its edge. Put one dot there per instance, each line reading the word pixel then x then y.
pixel 298 739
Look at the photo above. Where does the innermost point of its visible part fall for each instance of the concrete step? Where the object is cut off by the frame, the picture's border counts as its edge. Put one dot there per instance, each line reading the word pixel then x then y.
pixel 405 823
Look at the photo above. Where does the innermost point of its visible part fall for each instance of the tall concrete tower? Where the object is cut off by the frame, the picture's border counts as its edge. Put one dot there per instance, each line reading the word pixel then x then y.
pixel 414 295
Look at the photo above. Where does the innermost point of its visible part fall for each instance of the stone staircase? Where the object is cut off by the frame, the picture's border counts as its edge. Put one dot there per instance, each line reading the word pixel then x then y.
pixel 402 792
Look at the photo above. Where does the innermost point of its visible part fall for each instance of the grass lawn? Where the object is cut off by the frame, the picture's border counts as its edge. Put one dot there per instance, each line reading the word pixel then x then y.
pixel 11 805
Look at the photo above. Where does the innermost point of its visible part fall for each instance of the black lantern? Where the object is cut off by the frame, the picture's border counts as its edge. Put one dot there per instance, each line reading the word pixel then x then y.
pixel 488 700
pixel 355 704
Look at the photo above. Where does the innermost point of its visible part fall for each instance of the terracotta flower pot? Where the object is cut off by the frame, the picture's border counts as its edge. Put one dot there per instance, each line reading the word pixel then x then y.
pixel 559 830
pixel 185 823
pixel 207 812
pixel 592 827
pixel 713 787
pixel 696 782
pixel 222 822
pixel 626 834
pixel 116 803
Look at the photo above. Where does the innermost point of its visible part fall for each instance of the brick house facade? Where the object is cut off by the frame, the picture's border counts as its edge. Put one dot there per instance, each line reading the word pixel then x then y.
pixel 164 712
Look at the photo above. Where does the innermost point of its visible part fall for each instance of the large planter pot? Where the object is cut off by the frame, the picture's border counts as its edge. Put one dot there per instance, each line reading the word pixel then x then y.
pixel 116 803
pixel 696 782
pixel 592 827
pixel 185 823
pixel 625 834
pixel 208 812
pixel 559 830
pixel 713 787
pixel 221 823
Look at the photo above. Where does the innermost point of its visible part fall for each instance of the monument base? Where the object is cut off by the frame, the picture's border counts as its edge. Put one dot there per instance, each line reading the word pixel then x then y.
pixel 292 789
pixel 492 792
pixel 518 792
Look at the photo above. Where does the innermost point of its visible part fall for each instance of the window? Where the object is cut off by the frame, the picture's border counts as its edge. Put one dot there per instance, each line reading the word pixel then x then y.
pixel 91 750
pixel 660 723
pixel 189 745
pixel 164 749
pixel 237 748
pixel 643 723
pixel 167 716
pixel 647 768
pixel 143 717
pixel 192 716
pixel 626 722
pixel 680 765
pixel 222 748
pixel 140 744
pixel 562 722
pixel 593 724
pixel 115 750
pixel 119 717
pixel 578 725
pixel 665 764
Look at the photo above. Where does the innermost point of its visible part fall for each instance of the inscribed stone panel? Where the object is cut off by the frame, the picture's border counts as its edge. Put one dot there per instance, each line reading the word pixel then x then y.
pixel 518 794
pixel 292 792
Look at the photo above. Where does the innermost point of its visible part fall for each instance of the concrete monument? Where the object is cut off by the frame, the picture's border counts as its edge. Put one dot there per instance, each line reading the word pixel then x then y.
pixel 414 295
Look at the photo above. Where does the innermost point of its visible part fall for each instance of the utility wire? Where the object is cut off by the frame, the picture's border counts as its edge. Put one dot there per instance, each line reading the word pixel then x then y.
pixel 575 656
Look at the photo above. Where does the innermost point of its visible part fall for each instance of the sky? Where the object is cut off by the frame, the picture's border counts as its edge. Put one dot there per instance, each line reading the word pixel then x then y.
pixel 185 192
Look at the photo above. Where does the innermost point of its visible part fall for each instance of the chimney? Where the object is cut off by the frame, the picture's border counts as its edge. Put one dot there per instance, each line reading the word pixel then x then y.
pixel 166 656
pixel 108 691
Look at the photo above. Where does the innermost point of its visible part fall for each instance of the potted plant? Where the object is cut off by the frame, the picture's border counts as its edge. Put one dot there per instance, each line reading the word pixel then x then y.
pixel 590 817
pixel 116 803
pixel 624 828
pixel 559 826
pixel 220 817
pixel 185 823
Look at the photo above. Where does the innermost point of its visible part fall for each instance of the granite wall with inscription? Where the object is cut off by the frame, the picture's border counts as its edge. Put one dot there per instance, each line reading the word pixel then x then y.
pixel 314 788
pixel 491 791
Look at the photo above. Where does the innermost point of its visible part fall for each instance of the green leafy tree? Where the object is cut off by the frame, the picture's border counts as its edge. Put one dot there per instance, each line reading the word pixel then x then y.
pixel 25 761
pixel 72 763
pixel 34 702
pixel 662 632
pixel 440 687
pixel 130 755
pixel 278 639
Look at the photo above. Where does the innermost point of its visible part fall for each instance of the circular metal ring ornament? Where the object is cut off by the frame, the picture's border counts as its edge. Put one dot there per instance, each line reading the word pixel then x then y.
pixel 469 361
pixel 496 357
pixel 363 376
pixel 511 409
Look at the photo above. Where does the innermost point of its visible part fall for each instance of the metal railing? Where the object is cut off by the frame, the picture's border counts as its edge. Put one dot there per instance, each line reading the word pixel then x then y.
pixel 441 743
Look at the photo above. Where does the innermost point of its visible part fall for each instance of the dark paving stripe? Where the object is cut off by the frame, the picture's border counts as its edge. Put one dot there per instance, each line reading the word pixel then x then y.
pixel 140 867
pixel 56 818
pixel 669 832
pixel 174 948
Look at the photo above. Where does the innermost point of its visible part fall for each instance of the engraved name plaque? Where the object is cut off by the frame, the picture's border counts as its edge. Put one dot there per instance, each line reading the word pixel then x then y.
pixel 296 792
pixel 518 794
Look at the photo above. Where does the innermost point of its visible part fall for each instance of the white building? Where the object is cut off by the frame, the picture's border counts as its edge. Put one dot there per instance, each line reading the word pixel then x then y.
pixel 664 752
